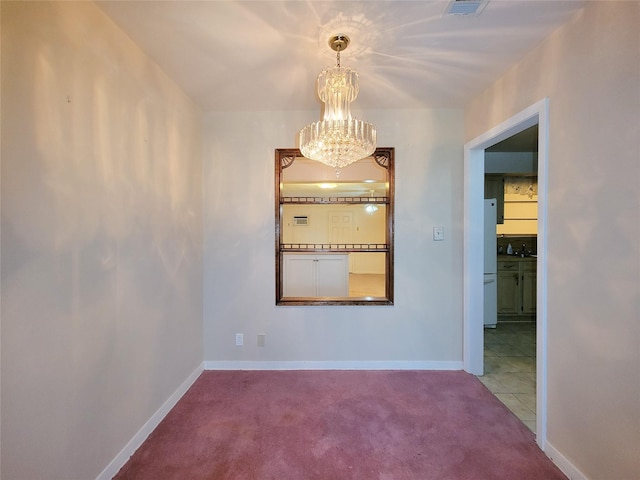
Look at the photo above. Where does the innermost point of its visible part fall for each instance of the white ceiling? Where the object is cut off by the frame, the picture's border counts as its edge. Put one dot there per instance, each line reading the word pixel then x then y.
pixel 265 55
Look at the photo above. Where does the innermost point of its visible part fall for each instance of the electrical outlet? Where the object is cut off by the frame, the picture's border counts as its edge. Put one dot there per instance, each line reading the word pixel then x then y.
pixel 438 233
pixel 239 339
pixel 261 339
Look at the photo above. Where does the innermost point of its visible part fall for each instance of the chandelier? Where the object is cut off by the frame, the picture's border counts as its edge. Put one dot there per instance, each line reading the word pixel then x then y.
pixel 338 140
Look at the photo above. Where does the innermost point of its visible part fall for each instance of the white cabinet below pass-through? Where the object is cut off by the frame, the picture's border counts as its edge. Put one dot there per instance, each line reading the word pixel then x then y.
pixel 315 275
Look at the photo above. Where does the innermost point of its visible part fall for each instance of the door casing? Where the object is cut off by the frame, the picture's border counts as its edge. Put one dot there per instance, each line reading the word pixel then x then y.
pixel 473 324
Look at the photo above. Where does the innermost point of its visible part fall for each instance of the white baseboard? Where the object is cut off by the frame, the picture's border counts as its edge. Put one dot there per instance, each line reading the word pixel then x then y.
pixel 118 462
pixel 568 468
pixel 332 365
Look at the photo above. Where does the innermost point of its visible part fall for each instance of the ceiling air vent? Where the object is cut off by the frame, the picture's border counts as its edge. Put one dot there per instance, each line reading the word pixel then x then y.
pixel 465 7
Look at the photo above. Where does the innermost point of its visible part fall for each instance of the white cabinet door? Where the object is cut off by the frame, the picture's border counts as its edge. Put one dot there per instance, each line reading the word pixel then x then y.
pixel 311 275
pixel 299 276
pixel 332 276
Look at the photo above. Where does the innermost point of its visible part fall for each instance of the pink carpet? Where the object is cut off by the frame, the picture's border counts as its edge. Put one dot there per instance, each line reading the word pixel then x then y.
pixel 387 425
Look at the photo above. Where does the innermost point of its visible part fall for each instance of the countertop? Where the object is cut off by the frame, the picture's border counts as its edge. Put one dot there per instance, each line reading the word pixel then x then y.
pixel 515 258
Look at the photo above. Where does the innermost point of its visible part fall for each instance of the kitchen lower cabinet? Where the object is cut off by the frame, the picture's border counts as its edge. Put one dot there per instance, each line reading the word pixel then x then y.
pixel 517 287
pixel 315 275
pixel 508 291
pixel 528 287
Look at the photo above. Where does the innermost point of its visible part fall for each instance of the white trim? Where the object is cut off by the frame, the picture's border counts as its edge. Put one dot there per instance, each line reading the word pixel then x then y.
pixel 473 263
pixel 118 462
pixel 331 365
pixel 541 275
pixel 473 337
pixel 568 468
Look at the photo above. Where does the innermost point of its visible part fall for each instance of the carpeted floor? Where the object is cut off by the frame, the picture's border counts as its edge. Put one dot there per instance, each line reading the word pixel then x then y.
pixel 298 425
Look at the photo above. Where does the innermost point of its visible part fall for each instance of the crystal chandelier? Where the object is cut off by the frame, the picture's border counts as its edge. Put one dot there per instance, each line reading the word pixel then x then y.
pixel 338 140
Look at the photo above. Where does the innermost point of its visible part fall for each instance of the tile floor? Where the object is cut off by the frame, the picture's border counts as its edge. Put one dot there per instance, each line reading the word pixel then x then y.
pixel 510 367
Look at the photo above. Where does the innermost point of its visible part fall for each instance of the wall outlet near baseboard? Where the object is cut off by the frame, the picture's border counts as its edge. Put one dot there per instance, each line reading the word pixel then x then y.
pixel 239 339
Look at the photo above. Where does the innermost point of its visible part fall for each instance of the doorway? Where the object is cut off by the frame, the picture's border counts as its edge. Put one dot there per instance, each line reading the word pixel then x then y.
pixel 473 334
pixel 510 254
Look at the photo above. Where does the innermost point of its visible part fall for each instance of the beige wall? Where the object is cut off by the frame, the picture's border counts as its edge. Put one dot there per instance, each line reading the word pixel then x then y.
pixel 424 328
pixel 590 70
pixel 101 240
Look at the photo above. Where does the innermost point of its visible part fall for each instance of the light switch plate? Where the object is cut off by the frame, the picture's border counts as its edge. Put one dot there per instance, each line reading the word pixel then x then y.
pixel 438 234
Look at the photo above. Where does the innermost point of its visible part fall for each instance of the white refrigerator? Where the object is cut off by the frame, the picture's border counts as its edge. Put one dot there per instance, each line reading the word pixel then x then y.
pixel 490 264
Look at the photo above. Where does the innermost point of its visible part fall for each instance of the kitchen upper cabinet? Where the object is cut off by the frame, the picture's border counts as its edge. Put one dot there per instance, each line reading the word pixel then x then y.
pixel 517 287
pixel 517 203
pixel 494 188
